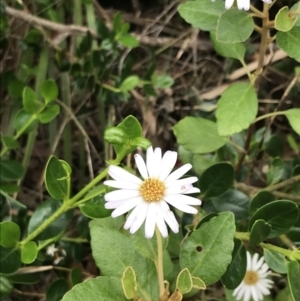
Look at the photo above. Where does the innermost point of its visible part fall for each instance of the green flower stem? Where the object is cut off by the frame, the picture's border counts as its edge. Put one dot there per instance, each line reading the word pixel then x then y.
pixel 269 115
pixel 159 263
pixel 291 254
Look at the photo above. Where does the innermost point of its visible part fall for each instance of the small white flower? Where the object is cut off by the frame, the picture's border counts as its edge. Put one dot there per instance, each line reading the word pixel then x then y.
pixel 150 198
pixel 51 250
pixel 241 4
pixel 255 284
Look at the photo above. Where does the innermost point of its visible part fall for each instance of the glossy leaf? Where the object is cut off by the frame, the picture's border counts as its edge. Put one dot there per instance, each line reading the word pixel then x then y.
pixel 9 234
pixel 293 279
pixel 276 261
pixel 207 251
pixel 232 200
pixel 275 146
pixel 49 91
pixel 129 83
pixel 259 232
pixel 281 215
pixel 57 178
pixel 11 170
pixel 216 179
pixel 198 283
pixel 115 135
pixel 276 171
pixel 260 199
pixel 29 252
pixel 283 20
pixel 45 210
pixel 30 102
pixel 76 276
pixel 289 42
pixel 237 268
pixel 237 108
pixel 49 113
pixel 234 26
pixel 100 288
pixel 10 142
pixel 129 283
pixel 24 278
pixel 128 40
pixel 198 135
pixel 184 281
pixel 201 14
pixel 5 285
pixel 95 208
pixel 24 121
pixel 233 50
pixel 57 290
pixel 10 260
pixel 162 81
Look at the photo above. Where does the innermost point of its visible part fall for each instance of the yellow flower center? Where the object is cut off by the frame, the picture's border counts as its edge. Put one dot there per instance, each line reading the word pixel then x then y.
pixel 251 277
pixel 152 190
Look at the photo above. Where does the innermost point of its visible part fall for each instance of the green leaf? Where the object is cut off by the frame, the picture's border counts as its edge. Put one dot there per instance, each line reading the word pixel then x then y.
pixel 11 170
pixel 232 200
pixel 293 115
pixel 236 270
pixel 29 252
pixel 283 20
pixel 10 260
pixel 289 42
pixel 24 120
pixel 141 142
pixel 10 234
pixel 57 178
pixel 201 14
pixel 295 12
pixel 105 241
pixel 237 108
pixel 207 251
pixel 147 247
pixel 128 40
pixel 115 135
pixel 30 102
pixel 198 283
pixel 260 199
pixel 24 278
pixel 162 81
pixel 234 26
pixel 293 279
pixel 100 288
pixel 184 281
pixel 49 113
pixel 276 261
pixel 57 290
pixel 129 283
pixel 44 211
pixel 233 50
pixel 5 286
pixel 95 208
pixel 10 142
pixel 49 91
pixel 198 135
pixel 76 276
pixel 275 146
pixel 216 179
pixel 259 232
pixel 117 22
pixel 281 215
pixel 129 83
pixel 276 171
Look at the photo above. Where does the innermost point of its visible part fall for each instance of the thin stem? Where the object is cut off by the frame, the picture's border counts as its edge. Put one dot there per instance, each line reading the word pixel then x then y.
pixel 283 184
pixel 257 12
pixel 269 115
pixel 159 263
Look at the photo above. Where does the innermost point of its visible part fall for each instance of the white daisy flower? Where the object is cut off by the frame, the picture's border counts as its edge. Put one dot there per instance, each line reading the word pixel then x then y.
pixel 241 4
pixel 255 284
pixel 150 198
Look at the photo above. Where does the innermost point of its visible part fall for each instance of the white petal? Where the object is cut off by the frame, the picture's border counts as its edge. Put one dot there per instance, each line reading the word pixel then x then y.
pixel 150 220
pixel 182 182
pixel 253 292
pixel 121 194
pixel 254 261
pixel 247 293
pixel 120 174
pixel 184 199
pixel 157 163
pixel 235 292
pixel 180 206
pixel 228 3
pixel 192 190
pixel 115 204
pixel 126 206
pixel 259 264
pixel 175 175
pixel 241 292
pixel 167 164
pixel 249 261
pixel 179 189
pixel 140 218
pixel 133 216
pixel 160 222
pixel 171 220
pixel 121 184
pixel 268 1
pixel 141 165
pixel 150 160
